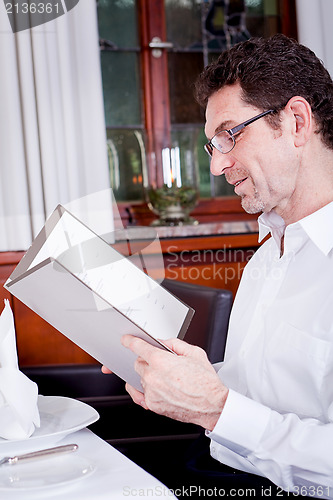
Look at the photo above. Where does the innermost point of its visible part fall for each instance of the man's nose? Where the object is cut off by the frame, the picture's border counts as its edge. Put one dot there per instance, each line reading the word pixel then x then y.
pixel 220 162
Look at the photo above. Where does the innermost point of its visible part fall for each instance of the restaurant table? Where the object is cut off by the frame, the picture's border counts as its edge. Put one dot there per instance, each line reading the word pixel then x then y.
pixel 111 475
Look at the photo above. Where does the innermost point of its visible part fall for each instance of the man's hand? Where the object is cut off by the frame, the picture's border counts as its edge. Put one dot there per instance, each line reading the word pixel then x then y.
pixel 184 387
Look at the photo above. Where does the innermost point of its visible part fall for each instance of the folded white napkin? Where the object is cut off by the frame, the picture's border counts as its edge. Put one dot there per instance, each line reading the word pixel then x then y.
pixel 19 415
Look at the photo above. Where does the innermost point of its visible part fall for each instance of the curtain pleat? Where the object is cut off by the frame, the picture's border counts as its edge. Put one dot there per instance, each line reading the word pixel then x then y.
pixel 314 26
pixel 52 128
pixel 15 228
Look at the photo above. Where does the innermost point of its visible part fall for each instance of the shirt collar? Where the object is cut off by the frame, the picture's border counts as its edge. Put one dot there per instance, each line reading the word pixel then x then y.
pixel 272 223
pixel 316 225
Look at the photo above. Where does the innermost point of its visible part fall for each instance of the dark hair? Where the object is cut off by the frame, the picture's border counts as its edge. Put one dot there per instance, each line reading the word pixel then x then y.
pixel 270 71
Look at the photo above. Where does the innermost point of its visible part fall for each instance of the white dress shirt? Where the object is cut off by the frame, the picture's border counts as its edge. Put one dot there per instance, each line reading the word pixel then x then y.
pixel 278 418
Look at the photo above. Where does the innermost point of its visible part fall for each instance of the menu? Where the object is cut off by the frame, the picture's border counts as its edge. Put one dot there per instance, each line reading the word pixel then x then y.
pixel 94 295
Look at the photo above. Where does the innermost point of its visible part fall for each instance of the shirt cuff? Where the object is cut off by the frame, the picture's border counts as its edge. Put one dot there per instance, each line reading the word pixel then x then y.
pixel 241 424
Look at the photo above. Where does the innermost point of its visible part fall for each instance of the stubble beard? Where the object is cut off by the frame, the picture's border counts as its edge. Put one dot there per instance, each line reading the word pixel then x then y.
pixel 253 204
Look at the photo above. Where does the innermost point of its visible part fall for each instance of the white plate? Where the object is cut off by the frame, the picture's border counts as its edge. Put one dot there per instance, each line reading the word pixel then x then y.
pixel 47 473
pixel 59 416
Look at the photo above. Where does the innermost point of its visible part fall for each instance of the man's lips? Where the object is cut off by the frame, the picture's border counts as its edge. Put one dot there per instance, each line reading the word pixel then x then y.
pixel 235 177
pixel 237 183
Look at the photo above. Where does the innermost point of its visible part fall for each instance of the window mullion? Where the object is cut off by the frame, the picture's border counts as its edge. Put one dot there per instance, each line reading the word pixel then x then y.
pixel 155 79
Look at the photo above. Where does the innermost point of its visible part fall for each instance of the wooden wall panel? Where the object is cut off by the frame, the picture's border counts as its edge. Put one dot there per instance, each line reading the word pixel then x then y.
pixel 38 343
pixel 5 271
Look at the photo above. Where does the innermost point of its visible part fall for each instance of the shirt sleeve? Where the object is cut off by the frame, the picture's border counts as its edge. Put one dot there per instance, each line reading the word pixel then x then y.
pixel 293 453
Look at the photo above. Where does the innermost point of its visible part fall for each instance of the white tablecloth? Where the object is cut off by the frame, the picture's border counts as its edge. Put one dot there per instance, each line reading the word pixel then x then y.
pixel 115 476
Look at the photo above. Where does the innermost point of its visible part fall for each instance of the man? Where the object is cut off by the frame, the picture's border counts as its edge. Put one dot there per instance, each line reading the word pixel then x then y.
pixel 269 409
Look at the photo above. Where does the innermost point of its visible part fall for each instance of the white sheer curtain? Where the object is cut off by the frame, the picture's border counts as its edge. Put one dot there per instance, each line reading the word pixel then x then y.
pixel 52 129
pixel 314 25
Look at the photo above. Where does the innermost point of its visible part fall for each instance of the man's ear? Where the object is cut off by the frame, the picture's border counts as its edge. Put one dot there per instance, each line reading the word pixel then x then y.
pixel 302 121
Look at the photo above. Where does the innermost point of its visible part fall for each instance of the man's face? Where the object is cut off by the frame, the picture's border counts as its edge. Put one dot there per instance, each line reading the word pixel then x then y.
pixel 263 164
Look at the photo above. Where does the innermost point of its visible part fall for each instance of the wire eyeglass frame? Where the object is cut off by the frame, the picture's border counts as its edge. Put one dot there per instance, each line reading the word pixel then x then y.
pixel 210 145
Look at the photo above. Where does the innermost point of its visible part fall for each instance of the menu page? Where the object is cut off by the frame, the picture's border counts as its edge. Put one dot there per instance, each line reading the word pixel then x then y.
pixel 70 274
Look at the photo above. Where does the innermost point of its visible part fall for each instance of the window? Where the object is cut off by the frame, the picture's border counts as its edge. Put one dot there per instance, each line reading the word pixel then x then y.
pixel 151 53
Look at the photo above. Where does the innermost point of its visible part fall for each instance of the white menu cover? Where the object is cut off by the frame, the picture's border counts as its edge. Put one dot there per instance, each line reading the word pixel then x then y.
pixel 92 294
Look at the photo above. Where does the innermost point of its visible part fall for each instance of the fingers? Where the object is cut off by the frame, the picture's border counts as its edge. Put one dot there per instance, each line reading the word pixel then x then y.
pixel 137 396
pixel 105 370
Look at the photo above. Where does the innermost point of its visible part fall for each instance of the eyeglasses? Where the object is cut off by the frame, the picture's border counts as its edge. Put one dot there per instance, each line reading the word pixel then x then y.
pixel 224 141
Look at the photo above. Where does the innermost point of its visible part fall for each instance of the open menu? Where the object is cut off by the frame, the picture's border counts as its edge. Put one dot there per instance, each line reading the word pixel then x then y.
pixel 94 295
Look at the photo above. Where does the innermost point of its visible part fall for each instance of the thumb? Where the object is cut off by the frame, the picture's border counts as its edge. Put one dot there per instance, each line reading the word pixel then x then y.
pixel 183 348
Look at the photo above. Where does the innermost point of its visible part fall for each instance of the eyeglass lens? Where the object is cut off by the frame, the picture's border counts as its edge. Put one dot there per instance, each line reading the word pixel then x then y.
pixel 223 141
